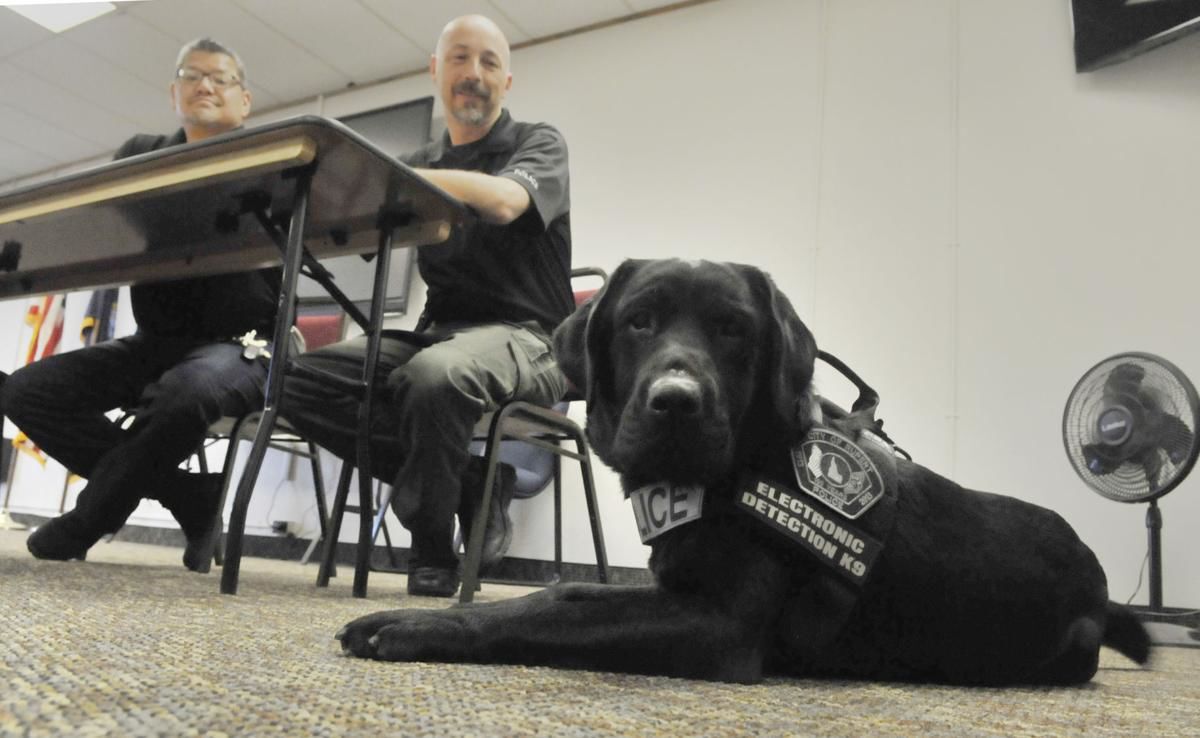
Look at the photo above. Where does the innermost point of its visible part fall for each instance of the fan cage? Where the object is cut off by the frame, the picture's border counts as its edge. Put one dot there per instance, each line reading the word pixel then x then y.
pixel 1174 395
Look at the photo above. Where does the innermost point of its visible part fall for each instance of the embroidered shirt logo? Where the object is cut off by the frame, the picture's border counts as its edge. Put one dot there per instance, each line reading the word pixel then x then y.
pixel 532 180
pixel 833 469
pixel 660 507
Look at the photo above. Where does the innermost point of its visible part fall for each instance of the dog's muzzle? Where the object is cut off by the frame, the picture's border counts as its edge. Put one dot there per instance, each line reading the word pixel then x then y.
pixel 676 394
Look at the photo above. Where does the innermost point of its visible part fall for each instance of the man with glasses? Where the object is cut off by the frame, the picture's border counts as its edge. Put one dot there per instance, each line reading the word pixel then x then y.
pixel 497 288
pixel 183 369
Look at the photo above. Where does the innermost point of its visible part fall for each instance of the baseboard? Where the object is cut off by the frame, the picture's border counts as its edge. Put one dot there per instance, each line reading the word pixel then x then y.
pixel 533 572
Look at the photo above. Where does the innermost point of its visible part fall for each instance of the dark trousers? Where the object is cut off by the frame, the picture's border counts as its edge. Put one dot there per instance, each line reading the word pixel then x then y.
pixel 428 401
pixel 178 387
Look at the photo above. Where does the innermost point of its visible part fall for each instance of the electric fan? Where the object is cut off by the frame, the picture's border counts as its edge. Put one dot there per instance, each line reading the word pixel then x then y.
pixel 1130 429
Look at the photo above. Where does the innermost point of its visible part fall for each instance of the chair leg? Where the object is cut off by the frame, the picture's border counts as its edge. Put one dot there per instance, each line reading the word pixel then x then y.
pixel 318 478
pixel 235 439
pixel 319 487
pixel 327 569
pixel 202 458
pixel 589 490
pixel 380 526
pixel 558 554
pixel 263 423
pixel 362 559
pixel 202 464
pixel 474 542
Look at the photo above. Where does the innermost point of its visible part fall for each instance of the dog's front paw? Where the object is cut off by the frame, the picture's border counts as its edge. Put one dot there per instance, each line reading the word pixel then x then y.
pixel 404 635
pixel 358 636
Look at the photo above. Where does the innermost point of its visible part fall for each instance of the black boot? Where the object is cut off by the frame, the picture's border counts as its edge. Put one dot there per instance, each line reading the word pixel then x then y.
pixel 433 565
pixel 433 581
pixel 102 507
pixel 497 536
pixel 194 501
pixel 62 539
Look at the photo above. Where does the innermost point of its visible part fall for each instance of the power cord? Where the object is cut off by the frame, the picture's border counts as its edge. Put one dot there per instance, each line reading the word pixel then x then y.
pixel 1141 571
pixel 1138 588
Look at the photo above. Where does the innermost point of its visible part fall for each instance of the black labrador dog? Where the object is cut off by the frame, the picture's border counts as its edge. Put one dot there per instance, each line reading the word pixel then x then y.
pixel 783 541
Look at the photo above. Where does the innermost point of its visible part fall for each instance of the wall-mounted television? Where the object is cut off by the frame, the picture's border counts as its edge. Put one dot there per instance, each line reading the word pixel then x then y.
pixel 1111 31
pixel 398 130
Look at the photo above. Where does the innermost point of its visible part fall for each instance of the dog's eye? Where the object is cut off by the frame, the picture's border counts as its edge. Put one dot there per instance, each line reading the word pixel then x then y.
pixel 641 320
pixel 731 328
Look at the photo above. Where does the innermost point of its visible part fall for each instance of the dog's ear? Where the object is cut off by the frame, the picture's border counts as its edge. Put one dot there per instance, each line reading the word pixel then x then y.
pixel 790 352
pixel 580 341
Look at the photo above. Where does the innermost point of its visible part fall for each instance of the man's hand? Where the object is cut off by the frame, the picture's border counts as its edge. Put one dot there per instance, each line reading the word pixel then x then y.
pixel 498 200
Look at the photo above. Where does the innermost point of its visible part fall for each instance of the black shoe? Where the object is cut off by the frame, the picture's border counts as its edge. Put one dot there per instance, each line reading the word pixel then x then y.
pixel 432 581
pixel 497 536
pixel 193 501
pixel 60 539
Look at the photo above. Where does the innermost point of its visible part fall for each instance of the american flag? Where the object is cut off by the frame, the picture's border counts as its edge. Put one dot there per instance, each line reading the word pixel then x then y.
pixel 45 321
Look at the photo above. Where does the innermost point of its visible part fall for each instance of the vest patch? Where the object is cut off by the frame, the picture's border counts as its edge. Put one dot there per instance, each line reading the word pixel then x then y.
pixel 834 470
pixel 835 543
pixel 660 507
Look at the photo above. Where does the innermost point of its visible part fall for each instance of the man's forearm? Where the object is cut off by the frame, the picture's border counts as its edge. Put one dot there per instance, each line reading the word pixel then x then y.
pixel 496 199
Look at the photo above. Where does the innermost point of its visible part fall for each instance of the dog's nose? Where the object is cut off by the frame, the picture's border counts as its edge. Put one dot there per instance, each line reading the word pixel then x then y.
pixel 674 394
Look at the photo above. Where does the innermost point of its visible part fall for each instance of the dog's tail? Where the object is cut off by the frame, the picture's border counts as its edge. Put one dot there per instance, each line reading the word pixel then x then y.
pixel 1124 632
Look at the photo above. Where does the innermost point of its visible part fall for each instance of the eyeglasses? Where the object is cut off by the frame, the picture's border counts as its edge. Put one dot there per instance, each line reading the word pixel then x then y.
pixel 219 80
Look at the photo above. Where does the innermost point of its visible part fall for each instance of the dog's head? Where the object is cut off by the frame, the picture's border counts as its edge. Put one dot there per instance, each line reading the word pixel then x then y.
pixel 688 368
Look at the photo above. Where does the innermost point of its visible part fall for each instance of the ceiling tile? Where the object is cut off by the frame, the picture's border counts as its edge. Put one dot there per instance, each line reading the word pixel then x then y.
pixel 642 5
pixel 539 18
pixel 42 137
pixel 77 70
pixel 130 44
pixel 423 21
pixel 20 160
pixel 275 67
pixel 18 32
pixel 323 28
pixel 44 99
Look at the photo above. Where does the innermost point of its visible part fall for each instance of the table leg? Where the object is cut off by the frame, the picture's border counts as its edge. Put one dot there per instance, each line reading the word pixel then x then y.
pixel 363 459
pixel 276 370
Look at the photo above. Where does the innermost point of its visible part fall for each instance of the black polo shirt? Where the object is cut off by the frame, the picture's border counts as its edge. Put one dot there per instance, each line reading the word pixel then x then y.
pixel 218 307
pixel 504 273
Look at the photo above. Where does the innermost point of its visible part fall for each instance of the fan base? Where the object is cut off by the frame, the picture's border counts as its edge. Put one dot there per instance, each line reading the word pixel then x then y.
pixel 7 523
pixel 1169 634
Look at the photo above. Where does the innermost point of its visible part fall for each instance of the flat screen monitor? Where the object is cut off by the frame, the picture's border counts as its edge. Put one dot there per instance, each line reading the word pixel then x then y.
pixel 1111 31
pixel 397 130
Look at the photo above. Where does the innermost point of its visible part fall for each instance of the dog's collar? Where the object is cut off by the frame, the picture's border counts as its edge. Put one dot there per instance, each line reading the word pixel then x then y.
pixel 663 506
pixel 840 515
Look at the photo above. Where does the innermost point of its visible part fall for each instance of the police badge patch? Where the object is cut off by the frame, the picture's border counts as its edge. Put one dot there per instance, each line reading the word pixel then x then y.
pixel 833 469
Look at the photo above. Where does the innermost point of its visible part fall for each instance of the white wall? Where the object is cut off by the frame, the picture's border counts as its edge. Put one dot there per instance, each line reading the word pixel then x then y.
pixel 1073 246
pixel 955 212
pixel 951 207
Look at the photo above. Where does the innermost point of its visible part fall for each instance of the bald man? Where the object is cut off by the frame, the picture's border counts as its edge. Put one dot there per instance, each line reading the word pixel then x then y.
pixel 497 289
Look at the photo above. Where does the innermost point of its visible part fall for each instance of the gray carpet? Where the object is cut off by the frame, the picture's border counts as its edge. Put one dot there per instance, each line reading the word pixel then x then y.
pixel 129 643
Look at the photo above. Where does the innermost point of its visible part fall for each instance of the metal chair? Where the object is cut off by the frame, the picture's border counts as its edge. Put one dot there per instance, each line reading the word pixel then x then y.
pixel 530 437
pixel 314 329
pixel 544 429
pixel 500 433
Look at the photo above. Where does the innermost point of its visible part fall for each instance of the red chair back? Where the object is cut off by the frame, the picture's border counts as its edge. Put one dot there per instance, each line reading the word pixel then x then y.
pixel 320 329
pixel 584 294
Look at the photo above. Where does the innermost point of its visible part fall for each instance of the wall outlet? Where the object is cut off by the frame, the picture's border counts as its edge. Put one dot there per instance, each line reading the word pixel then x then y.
pixel 281 527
